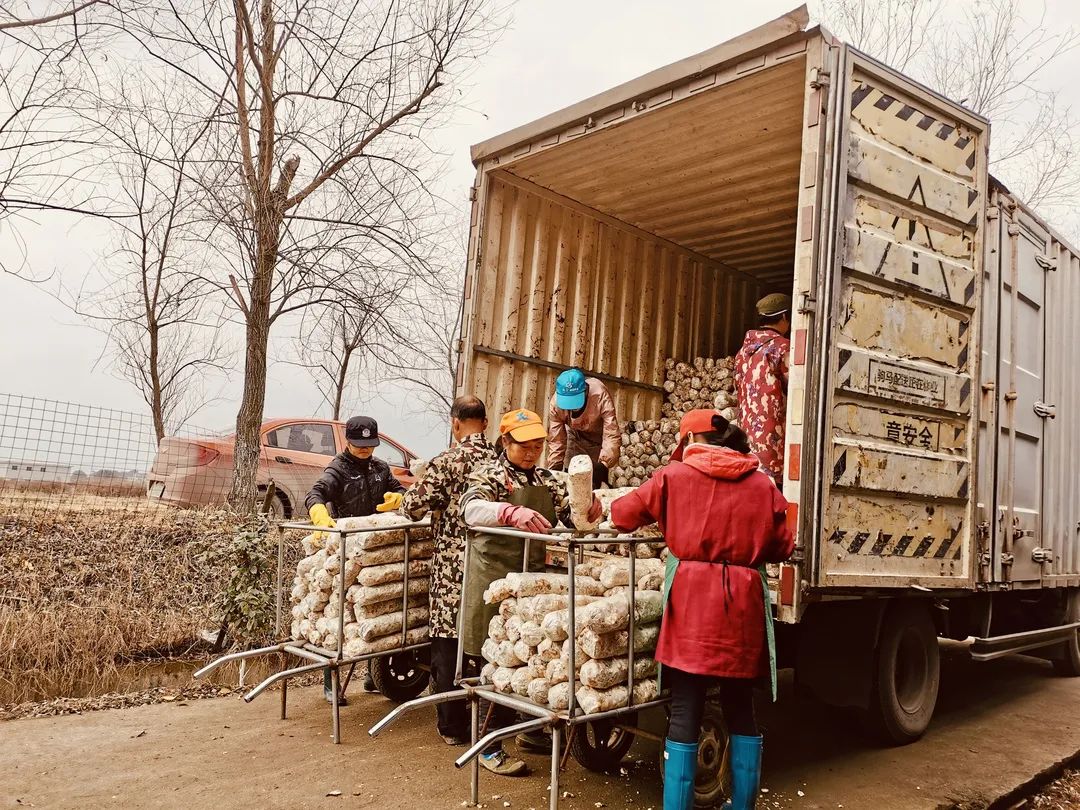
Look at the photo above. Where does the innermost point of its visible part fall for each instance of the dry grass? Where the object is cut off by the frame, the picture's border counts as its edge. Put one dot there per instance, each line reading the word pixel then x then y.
pixel 84 590
pixel 1062 794
pixel 22 502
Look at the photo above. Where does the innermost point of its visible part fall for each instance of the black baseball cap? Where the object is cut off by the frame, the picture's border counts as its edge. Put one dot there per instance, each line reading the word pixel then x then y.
pixel 362 431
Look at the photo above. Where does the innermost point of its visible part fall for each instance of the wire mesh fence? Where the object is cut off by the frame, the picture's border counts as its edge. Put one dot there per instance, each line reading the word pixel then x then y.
pixel 63 455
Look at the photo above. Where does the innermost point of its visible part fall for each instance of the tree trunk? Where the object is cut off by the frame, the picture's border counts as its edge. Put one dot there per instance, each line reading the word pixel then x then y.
pixel 157 406
pixel 250 416
pixel 339 393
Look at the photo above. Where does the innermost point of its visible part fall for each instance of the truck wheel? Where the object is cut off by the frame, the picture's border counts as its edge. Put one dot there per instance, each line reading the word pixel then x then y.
pixel 399 676
pixel 601 746
pixel 1069 663
pixel 906 673
pixel 712 782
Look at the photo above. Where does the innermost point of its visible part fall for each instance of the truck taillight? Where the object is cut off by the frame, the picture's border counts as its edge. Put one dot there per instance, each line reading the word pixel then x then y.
pixel 787 585
pixel 204 455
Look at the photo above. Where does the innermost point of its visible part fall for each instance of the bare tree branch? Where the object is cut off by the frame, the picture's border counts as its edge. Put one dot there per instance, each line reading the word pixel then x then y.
pixel 62 15
pixel 987 56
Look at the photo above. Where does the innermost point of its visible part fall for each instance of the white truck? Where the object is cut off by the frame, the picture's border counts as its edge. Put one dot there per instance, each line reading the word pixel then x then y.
pixel 933 433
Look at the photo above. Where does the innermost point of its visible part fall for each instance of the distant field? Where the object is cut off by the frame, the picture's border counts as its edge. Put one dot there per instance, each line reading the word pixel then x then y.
pixel 77 501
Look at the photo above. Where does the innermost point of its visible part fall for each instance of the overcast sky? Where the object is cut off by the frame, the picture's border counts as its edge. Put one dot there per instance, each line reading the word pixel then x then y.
pixel 555 53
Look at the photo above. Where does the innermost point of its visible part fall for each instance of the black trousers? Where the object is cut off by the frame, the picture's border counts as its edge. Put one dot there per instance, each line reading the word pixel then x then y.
pixel 688 704
pixel 453 717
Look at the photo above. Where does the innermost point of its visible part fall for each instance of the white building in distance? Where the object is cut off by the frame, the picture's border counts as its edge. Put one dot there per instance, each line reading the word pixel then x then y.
pixel 36 471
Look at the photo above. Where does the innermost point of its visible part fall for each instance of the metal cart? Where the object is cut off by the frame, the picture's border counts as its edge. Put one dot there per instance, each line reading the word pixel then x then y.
pixel 597 741
pixel 399 674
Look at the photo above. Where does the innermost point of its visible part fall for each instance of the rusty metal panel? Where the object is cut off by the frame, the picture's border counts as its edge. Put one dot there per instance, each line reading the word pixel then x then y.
pixel 715 167
pixel 897 407
pixel 558 284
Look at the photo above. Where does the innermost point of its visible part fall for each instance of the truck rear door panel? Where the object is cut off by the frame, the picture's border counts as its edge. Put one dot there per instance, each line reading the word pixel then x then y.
pixel 897 411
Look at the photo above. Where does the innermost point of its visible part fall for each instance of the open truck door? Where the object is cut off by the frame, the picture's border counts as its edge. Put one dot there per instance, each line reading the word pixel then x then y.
pixel 897 420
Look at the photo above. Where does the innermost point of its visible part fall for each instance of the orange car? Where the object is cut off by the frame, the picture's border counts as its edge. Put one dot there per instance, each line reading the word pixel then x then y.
pixel 198 472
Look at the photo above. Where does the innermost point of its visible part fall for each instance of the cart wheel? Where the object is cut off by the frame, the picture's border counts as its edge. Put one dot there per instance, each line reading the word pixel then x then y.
pixel 399 676
pixel 712 782
pixel 601 746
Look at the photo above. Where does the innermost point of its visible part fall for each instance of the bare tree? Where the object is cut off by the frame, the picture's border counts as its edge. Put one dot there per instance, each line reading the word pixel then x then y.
pixel 425 360
pixel 44 63
pixel 321 96
pixel 339 340
pixel 994 61
pixel 153 303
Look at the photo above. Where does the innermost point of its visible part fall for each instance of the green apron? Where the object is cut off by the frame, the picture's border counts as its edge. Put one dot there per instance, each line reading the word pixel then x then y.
pixel 672 565
pixel 492 557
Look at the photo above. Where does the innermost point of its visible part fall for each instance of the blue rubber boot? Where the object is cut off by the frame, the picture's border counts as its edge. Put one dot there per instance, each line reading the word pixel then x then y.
pixel 680 765
pixel 745 772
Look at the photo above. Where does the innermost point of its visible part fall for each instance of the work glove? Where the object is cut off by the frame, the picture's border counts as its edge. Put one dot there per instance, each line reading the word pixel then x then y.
pixel 320 516
pixel 391 502
pixel 523 518
pixel 596 510
pixel 418 467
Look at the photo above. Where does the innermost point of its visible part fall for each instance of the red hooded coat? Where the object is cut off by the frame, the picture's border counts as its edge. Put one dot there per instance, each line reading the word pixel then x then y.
pixel 721 518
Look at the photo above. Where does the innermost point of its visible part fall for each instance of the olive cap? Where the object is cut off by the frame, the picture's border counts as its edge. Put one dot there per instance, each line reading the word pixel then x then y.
pixel 774 304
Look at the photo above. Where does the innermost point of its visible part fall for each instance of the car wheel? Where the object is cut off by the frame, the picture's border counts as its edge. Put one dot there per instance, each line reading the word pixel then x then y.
pixel 279 506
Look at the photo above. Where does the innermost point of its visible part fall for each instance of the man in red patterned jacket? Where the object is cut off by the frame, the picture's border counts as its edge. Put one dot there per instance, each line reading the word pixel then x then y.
pixel 761 377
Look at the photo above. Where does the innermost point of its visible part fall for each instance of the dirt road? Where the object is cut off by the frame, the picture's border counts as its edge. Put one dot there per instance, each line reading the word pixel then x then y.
pixel 997 725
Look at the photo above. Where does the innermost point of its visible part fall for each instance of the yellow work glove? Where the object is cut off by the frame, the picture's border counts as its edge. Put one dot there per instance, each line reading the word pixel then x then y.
pixel 391 502
pixel 320 516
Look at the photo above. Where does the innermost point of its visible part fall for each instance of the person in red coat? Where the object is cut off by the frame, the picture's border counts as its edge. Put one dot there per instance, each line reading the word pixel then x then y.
pixel 723 519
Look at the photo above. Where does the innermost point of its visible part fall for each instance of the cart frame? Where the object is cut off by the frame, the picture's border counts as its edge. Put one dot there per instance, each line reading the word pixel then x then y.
pixel 317 657
pixel 562 723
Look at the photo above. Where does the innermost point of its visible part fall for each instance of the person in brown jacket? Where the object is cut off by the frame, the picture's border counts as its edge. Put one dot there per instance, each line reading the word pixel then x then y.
pixel 582 421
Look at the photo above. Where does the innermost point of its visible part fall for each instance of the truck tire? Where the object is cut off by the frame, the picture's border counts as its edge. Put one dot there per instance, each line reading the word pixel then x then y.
pixel 400 676
pixel 1069 662
pixel 601 746
pixel 906 674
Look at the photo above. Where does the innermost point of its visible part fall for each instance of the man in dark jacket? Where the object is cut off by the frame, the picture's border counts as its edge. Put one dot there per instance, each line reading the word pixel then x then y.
pixel 354 484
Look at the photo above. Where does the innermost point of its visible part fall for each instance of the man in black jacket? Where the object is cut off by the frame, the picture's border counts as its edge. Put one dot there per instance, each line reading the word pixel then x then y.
pixel 354 484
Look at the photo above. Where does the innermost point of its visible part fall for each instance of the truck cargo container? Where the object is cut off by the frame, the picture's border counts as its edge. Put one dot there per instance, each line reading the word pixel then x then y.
pixel 933 440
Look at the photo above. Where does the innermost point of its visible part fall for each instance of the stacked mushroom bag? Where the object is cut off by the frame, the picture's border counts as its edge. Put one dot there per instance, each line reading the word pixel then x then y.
pixel 647 445
pixel 529 640
pixel 375 566
pixel 654 548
